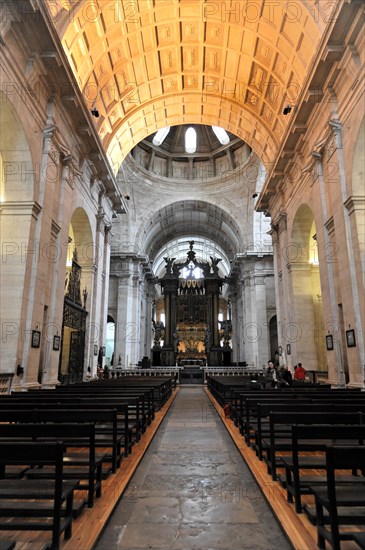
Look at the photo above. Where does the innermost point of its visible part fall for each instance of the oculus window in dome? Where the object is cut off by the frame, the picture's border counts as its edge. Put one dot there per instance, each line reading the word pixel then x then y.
pixel 191 152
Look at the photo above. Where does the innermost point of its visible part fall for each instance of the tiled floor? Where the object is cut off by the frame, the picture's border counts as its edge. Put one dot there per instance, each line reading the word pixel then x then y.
pixel 192 490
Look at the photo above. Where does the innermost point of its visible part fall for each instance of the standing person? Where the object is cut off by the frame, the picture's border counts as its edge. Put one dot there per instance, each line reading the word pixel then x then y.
pixel 299 373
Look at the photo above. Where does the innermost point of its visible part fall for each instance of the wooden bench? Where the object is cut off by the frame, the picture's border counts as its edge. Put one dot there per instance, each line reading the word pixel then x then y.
pixel 130 409
pixel 359 538
pixel 250 400
pixel 280 440
pixel 107 417
pixel 264 409
pixel 77 465
pixel 315 438
pixel 41 505
pixel 333 496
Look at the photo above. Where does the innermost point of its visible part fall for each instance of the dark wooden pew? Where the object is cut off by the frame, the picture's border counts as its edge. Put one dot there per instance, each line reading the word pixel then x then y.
pixel 281 441
pixel 333 495
pixel 264 410
pixel 359 538
pixel 250 405
pixel 36 505
pixel 107 417
pixel 125 428
pixel 315 438
pixel 77 465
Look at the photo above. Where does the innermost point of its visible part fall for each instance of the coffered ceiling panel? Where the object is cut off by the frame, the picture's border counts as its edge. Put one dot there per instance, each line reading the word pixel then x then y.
pixel 146 64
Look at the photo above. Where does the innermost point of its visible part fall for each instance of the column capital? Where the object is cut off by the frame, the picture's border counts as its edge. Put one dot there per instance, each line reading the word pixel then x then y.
pixel 336 128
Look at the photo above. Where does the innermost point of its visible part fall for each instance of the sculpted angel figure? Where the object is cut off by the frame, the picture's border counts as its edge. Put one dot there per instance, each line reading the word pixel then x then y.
pixel 169 262
pixel 215 262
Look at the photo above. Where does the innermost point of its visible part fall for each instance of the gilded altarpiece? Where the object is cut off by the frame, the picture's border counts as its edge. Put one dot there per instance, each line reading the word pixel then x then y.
pixel 191 311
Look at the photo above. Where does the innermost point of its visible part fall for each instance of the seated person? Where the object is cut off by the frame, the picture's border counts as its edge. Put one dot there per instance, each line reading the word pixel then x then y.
pixel 299 373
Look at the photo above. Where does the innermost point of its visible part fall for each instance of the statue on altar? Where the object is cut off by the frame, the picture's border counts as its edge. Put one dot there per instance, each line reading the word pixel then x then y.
pixel 169 262
pixel 215 262
pixel 176 341
pixel 226 327
pixel 208 339
pixel 158 329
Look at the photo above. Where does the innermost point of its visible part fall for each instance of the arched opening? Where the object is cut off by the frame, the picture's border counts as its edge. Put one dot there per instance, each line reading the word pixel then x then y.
pixel 110 341
pixel 273 338
pixel 78 286
pixel 305 334
pixel 18 218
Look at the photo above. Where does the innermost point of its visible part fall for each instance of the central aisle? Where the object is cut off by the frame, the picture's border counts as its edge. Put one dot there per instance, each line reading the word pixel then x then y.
pixel 192 490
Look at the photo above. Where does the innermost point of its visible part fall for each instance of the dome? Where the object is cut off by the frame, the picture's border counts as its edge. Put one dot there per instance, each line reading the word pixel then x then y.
pixel 166 153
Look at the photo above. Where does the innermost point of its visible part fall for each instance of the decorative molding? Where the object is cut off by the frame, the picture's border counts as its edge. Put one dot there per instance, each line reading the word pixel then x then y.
pixel 16 208
pixel 330 226
pixel 298 266
pixel 55 228
pixel 354 204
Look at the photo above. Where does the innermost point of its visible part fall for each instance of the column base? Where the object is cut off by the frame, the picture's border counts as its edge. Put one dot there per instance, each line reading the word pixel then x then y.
pixel 50 384
pixel 25 387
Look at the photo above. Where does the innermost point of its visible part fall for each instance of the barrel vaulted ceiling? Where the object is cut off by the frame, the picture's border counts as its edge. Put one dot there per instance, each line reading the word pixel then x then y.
pixel 146 64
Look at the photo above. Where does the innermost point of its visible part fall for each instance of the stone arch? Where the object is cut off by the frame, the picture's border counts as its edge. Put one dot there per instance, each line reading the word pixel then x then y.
pixel 18 218
pixel 82 237
pixel 273 337
pixel 18 169
pixel 185 218
pixel 306 331
pixel 151 65
pixel 78 297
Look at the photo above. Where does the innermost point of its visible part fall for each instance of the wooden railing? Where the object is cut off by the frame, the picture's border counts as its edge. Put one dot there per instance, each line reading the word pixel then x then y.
pixel 5 382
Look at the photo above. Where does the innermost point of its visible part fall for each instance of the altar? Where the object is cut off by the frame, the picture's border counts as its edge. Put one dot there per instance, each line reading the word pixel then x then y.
pixel 192 374
pixel 191 363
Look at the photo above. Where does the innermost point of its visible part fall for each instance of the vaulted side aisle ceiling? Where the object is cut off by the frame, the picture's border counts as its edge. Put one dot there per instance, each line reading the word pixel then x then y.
pixel 152 63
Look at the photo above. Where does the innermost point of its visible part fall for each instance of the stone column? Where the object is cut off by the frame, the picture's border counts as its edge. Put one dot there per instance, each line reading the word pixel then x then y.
pixel 212 288
pixel 325 235
pixel 147 339
pixel 255 323
pixel 38 267
pixel 170 291
pixel 127 344
pixel 235 328
pixel 348 272
pixel 60 232
pixel 287 327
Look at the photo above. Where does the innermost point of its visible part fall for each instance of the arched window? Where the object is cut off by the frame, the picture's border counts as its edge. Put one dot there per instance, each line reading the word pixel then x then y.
pixel 190 140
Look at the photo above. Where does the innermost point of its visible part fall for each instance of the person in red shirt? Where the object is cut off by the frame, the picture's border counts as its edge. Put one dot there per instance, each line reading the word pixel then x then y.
pixel 299 373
